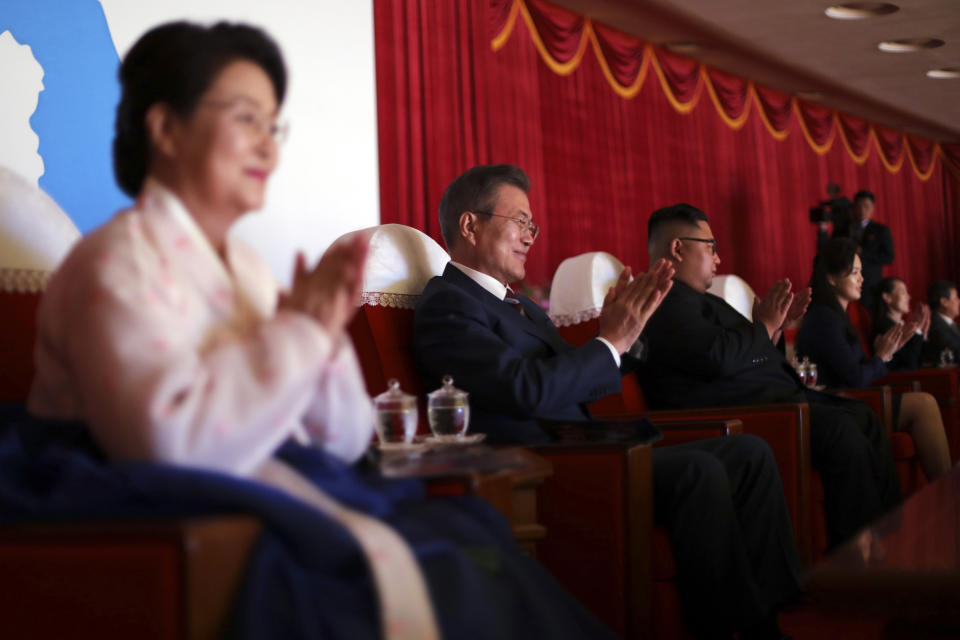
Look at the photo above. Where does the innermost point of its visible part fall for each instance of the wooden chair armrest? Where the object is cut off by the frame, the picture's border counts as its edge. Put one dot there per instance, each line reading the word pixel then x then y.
pixel 943 384
pixel 689 431
pixel 507 477
pixel 786 429
pixel 597 508
pixel 121 579
pixel 880 399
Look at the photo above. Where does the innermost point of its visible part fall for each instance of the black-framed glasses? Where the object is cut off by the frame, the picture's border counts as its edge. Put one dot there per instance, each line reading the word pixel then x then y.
pixel 710 241
pixel 524 223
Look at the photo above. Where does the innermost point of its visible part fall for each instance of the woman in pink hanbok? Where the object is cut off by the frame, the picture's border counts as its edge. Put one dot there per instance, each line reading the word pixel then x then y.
pixel 167 337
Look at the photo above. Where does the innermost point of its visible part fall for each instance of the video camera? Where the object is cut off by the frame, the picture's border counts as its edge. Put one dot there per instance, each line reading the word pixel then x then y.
pixel 838 208
pixel 823 212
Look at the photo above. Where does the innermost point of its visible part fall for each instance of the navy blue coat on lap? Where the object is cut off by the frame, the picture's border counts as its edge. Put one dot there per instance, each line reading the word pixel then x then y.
pixel 307 577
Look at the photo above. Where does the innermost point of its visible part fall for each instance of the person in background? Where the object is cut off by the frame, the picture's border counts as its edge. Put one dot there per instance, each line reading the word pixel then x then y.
pixel 876 244
pixel 944 333
pixel 829 339
pixel 701 352
pixel 720 499
pixel 168 338
pixel 873 238
pixel 893 307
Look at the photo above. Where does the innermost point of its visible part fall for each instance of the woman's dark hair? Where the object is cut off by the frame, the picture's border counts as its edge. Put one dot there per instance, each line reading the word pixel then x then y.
pixel 887 285
pixel 175 64
pixel 835 259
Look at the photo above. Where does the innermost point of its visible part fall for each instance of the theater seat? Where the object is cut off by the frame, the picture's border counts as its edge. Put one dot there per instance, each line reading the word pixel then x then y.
pixel 576 295
pixel 735 291
pixel 597 506
pixel 169 578
pixel 942 384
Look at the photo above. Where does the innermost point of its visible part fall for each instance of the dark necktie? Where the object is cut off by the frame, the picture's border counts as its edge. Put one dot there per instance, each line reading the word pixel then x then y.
pixel 856 232
pixel 513 300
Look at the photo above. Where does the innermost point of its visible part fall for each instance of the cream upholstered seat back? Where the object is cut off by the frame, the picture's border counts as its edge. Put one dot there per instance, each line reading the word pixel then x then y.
pixel 35 235
pixel 580 285
pixel 737 293
pixel 400 262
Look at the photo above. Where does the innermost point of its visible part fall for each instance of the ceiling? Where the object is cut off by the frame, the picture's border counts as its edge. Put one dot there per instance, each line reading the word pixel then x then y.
pixel 792 46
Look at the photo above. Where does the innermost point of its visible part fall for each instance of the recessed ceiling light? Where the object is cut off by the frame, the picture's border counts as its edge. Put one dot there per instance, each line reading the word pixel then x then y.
pixel 908 45
pixel 947 73
pixel 688 48
pixel 860 10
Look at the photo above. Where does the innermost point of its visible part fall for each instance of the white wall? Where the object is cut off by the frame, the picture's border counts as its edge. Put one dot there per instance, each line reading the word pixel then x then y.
pixel 326 183
pixel 22 84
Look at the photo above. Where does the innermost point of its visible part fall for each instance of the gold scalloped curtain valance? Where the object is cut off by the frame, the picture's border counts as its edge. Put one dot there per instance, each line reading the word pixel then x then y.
pixel 609 129
pixel 563 38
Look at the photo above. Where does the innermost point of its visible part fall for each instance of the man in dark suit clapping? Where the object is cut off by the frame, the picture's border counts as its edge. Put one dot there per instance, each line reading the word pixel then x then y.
pixel 720 499
pixel 702 352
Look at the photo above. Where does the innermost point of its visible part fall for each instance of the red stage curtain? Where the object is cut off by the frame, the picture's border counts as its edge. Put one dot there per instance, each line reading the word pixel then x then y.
pixel 610 128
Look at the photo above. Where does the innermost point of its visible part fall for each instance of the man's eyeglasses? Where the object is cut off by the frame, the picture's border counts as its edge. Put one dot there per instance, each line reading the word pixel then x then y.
pixel 710 241
pixel 525 224
pixel 251 119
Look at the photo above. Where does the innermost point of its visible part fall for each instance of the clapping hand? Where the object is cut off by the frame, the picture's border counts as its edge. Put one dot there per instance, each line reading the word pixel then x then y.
pixel 629 305
pixel 921 318
pixel 801 300
pixel 893 340
pixel 773 309
pixel 330 291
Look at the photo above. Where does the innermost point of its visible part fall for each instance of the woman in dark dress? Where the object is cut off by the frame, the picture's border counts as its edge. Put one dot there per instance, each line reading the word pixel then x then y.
pixel 893 302
pixel 829 339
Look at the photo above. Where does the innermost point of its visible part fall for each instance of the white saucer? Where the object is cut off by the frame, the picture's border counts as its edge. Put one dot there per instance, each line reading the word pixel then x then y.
pixel 472 438
pixel 416 445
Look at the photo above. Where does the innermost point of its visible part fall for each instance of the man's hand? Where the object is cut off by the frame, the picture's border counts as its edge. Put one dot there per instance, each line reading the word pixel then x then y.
pixel 629 305
pixel 331 290
pixel 772 309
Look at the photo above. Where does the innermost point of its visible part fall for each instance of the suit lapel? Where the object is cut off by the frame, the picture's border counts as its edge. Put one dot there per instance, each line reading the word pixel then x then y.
pixel 527 323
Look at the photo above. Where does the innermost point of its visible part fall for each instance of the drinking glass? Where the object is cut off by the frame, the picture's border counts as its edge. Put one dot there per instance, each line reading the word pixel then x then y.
pixel 811 375
pixel 803 370
pixel 396 415
pixel 448 411
pixel 946 358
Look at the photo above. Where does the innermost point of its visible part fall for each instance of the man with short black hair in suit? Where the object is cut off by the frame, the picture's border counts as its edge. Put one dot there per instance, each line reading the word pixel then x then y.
pixel 721 499
pixel 944 333
pixel 701 352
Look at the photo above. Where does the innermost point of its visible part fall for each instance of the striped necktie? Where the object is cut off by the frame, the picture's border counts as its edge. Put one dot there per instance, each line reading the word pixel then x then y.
pixel 514 301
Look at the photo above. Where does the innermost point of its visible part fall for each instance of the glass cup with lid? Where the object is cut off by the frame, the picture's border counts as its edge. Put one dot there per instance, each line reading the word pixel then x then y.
pixel 448 411
pixel 396 415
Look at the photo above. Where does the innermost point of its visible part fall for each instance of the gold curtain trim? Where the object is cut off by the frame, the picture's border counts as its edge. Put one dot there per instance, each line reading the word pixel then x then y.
pixel 588 36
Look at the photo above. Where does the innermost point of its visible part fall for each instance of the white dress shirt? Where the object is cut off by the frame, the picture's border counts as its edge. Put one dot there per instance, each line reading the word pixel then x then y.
pixel 499 290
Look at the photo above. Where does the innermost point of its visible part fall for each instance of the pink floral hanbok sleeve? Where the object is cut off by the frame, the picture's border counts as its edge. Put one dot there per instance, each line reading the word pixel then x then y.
pixel 173 354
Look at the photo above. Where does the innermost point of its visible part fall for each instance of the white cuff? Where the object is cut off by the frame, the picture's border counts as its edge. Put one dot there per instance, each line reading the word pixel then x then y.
pixel 613 350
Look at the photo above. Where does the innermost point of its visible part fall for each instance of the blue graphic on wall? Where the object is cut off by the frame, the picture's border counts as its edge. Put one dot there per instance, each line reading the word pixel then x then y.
pixel 75 111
